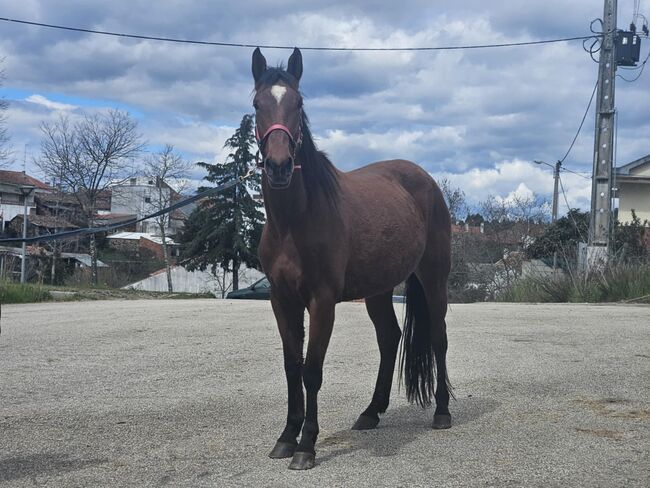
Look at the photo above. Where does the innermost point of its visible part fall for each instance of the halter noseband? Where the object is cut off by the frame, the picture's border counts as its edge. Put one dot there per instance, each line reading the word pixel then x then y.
pixel 295 142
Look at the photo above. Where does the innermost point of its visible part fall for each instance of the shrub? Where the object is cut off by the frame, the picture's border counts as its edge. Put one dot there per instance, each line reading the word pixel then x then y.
pixel 620 281
pixel 17 293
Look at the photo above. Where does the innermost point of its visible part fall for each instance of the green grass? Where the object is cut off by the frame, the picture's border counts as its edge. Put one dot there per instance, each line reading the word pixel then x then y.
pixel 28 293
pixel 33 293
pixel 617 283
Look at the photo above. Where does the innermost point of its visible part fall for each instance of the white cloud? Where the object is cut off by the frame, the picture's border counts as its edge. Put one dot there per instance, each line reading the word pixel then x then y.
pixel 508 179
pixel 478 115
pixel 41 100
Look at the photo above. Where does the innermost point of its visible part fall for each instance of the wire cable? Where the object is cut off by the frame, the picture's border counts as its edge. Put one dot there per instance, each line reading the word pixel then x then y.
pixel 613 188
pixel 566 201
pixel 306 48
pixel 640 68
pixel 591 99
pixel 68 234
pixel 581 175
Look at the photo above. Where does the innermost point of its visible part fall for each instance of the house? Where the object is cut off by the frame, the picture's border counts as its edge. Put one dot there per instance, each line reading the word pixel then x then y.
pixel 137 242
pixel 13 187
pixel 140 196
pixel 38 225
pixel 633 190
pixel 38 262
pixel 60 205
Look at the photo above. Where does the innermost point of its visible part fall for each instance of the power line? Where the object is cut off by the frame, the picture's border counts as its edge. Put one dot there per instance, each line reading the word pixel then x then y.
pixel 591 99
pixel 581 175
pixel 306 48
pixel 640 68
pixel 575 224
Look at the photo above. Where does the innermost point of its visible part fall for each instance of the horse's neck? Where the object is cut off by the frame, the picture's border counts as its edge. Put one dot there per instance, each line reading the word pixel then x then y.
pixel 285 208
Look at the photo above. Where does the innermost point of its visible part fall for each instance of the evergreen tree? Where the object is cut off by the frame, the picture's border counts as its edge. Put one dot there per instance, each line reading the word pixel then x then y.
pixel 629 239
pixel 562 237
pixel 224 230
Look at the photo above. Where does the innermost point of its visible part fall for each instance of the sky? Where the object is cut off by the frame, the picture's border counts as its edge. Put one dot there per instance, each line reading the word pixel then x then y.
pixel 476 117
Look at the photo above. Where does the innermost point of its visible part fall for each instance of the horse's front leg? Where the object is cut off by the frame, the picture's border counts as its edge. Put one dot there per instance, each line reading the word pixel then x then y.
pixel 321 321
pixel 290 319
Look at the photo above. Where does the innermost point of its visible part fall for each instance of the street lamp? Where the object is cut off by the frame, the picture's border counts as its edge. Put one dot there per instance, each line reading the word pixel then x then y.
pixel 556 177
pixel 25 191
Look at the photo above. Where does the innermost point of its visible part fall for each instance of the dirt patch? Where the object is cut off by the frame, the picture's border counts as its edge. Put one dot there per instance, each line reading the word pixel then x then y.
pixel 606 433
pixel 614 407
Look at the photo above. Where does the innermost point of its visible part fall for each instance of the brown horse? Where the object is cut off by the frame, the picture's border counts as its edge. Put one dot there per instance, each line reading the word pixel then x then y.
pixel 332 236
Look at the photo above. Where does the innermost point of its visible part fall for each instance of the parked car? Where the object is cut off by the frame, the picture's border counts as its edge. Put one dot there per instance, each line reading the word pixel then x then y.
pixel 260 290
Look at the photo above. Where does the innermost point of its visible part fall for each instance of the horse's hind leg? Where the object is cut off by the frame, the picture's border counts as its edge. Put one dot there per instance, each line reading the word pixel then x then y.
pixel 434 283
pixel 382 314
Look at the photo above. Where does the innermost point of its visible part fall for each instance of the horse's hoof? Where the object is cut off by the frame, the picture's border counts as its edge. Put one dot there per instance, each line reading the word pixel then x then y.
pixel 442 421
pixel 282 450
pixel 302 460
pixel 365 423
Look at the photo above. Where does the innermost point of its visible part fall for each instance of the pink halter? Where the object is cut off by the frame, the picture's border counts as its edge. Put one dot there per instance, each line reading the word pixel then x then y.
pixel 295 142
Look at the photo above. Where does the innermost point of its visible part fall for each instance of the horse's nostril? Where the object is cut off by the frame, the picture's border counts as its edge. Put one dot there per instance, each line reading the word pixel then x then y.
pixel 287 166
pixel 269 166
pixel 283 169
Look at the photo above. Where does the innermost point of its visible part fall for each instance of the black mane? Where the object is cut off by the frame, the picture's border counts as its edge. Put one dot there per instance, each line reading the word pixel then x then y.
pixel 318 172
pixel 272 75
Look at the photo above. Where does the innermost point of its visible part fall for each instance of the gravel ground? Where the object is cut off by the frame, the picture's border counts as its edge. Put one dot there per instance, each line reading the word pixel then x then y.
pixel 191 393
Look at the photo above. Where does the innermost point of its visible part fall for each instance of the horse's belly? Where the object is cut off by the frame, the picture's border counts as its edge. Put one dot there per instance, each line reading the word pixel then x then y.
pixel 385 258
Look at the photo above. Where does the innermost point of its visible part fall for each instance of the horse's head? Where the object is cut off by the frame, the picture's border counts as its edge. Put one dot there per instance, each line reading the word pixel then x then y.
pixel 278 116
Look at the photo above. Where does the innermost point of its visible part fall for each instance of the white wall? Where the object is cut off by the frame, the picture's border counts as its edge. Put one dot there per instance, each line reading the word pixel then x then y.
pixel 634 196
pixel 131 199
pixel 9 211
pixel 184 281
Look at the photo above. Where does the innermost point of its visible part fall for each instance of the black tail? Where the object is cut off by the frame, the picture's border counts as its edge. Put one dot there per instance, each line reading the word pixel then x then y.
pixel 417 361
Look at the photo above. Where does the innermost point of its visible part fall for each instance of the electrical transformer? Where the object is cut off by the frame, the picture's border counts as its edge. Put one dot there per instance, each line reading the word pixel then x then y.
pixel 628 48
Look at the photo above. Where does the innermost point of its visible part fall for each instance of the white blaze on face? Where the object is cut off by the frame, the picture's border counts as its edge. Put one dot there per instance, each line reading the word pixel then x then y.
pixel 278 92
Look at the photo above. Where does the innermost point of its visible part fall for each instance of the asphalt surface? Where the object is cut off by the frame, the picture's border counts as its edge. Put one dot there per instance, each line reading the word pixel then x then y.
pixel 191 393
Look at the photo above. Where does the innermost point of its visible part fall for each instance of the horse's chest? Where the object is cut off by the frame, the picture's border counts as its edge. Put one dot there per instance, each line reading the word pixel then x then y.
pixel 285 274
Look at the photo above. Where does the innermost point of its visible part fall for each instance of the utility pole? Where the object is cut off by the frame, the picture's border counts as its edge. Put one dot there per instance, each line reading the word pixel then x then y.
pixel 600 222
pixel 556 178
pixel 556 196
pixel 25 191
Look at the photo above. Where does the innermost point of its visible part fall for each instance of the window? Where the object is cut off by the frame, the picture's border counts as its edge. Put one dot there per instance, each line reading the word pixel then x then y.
pixel 133 181
pixel 147 199
pixel 12 198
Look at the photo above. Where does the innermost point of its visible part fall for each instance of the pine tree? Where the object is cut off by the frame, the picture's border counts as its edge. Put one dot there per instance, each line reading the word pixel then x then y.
pixel 224 230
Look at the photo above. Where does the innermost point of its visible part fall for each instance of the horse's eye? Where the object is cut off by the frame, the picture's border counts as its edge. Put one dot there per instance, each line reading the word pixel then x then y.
pixel 256 106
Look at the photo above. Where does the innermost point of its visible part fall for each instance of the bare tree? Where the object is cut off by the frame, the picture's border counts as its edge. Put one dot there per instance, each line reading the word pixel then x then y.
pixel 455 198
pixel 169 171
pixel 5 150
pixel 222 280
pixel 512 225
pixel 88 157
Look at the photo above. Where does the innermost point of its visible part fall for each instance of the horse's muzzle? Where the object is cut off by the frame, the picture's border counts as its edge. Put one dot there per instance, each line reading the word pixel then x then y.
pixel 279 175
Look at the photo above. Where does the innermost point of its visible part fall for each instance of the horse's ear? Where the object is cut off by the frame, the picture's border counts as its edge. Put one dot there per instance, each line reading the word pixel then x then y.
pixel 259 64
pixel 295 64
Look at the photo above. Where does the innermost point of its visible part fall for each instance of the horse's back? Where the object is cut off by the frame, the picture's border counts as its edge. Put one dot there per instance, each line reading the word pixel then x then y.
pixel 388 208
pixel 411 178
pixel 406 173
